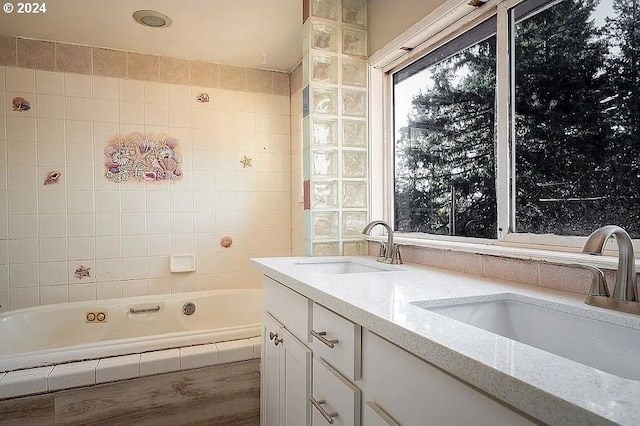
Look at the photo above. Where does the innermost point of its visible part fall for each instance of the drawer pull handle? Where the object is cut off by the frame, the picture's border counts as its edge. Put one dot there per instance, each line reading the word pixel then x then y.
pixel 277 340
pixel 272 335
pixel 320 336
pixel 327 416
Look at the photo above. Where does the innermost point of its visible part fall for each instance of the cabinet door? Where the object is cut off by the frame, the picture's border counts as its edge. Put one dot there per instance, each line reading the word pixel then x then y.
pixel 415 393
pixel 295 382
pixel 270 373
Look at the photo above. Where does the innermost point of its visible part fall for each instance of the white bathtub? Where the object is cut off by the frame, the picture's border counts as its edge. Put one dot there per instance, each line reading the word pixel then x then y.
pixel 61 333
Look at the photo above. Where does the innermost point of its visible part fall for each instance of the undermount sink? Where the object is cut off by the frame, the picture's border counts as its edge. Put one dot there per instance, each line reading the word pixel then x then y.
pixel 549 326
pixel 338 267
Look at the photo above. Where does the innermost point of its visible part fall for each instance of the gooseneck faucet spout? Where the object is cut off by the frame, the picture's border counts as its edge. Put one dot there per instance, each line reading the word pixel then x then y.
pixel 390 252
pixel 625 287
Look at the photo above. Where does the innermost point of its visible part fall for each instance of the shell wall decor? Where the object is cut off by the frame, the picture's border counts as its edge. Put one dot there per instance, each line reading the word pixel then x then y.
pixel 143 156
pixel 21 104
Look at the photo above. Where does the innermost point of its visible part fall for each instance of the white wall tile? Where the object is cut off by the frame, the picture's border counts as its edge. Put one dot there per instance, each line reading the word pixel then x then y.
pixel 21 129
pixel 23 226
pixel 223 99
pixel 109 269
pixel 132 112
pixel 158 362
pixel 108 247
pixel 134 246
pixel 160 285
pixel 108 224
pixel 158 245
pixel 234 351
pixel 78 109
pixel 109 290
pixel 23 251
pixel 105 88
pixel 54 273
pixel 82 292
pixel 179 95
pixel 156 115
pixel 179 116
pixel 20 80
pixel 23 275
pixel 49 130
pixel 198 356
pixel 106 110
pixel 81 225
pixel 118 368
pixel 158 223
pixel 51 155
pixel 53 249
pixel 182 223
pixel 81 248
pixel 156 93
pixel 133 224
pixel 24 382
pixel 52 225
pixel 134 268
pixel 24 297
pixel 108 202
pixel 51 294
pixel 77 85
pixel 157 266
pixel 50 107
pixel 64 376
pixel 132 288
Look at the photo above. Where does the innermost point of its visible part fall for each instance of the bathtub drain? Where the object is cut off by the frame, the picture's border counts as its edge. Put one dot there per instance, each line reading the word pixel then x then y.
pixel 188 308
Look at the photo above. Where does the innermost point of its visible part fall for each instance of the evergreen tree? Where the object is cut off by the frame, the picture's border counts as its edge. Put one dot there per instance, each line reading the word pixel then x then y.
pixel 561 133
pixel 447 149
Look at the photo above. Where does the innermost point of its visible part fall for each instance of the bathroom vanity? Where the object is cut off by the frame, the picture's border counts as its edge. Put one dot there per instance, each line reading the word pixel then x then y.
pixel 348 341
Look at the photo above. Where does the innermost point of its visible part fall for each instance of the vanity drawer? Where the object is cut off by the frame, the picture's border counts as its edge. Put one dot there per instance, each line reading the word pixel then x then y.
pixel 338 341
pixel 334 399
pixel 373 415
pixel 290 308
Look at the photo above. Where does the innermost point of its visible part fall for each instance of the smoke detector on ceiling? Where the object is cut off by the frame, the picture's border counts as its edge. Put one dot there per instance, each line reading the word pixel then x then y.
pixel 152 18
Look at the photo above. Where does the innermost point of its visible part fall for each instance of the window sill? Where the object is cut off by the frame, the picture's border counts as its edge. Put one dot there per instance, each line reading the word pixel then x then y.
pixel 609 261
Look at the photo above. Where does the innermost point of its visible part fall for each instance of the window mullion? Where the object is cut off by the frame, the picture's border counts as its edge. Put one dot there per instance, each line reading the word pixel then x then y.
pixel 503 95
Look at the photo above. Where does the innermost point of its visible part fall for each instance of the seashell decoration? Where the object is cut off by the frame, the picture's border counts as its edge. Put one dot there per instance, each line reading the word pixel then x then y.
pixel 82 272
pixel 246 162
pixel 203 98
pixel 145 156
pixel 52 178
pixel 226 242
pixel 21 104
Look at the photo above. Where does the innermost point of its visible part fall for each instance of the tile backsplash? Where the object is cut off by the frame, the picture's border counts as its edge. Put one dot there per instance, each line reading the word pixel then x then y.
pixel 123 233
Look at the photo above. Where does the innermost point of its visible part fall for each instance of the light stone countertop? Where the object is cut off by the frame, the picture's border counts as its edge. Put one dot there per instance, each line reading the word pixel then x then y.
pixel 548 387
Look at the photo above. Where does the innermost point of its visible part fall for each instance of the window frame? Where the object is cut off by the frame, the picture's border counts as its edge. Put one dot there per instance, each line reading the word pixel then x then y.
pixel 444 24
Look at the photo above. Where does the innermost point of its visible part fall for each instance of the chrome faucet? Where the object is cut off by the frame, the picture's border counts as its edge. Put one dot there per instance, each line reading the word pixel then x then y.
pixel 625 295
pixel 389 251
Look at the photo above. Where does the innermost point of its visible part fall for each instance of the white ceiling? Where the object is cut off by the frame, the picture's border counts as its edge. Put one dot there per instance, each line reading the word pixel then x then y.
pixel 234 32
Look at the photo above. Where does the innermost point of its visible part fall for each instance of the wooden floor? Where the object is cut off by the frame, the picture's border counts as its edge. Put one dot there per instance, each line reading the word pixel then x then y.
pixel 221 395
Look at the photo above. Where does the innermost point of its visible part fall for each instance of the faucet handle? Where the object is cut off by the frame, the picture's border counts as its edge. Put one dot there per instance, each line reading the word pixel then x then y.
pixel 397 257
pixel 382 254
pixel 598 282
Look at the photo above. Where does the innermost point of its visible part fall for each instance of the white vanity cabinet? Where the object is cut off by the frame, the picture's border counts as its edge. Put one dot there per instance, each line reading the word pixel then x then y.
pixel 319 368
pixel 286 361
pixel 401 389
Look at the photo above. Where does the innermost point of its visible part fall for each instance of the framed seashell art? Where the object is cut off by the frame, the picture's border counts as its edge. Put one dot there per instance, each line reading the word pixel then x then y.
pixel 143 156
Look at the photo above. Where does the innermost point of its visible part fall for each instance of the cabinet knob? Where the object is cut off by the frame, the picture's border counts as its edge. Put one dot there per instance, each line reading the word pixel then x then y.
pixel 318 404
pixel 277 340
pixel 272 335
pixel 320 336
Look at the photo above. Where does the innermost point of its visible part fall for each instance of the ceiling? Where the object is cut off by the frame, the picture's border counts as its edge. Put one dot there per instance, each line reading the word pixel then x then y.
pixel 233 32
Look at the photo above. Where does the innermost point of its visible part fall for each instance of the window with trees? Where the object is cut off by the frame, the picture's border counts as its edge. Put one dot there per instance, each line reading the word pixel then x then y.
pixel 575 125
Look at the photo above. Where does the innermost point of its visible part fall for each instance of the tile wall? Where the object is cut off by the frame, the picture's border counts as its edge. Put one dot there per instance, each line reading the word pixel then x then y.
pixel 125 232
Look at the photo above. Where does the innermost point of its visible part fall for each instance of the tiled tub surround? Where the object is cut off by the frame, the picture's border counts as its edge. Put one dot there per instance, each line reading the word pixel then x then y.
pixel 63 349
pixel 126 232
pixel 550 388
